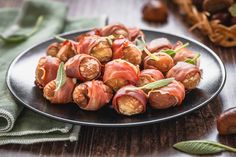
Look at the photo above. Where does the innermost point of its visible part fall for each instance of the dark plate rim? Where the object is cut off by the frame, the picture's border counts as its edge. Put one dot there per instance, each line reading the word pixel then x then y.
pixel 222 68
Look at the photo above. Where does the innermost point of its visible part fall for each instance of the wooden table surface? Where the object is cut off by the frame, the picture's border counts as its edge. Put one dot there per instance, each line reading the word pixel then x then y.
pixel 150 140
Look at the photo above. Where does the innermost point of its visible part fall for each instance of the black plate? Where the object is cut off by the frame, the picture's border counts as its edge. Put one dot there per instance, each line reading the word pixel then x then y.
pixel 21 73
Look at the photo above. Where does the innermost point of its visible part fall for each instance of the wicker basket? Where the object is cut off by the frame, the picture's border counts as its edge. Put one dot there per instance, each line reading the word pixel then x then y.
pixel 218 33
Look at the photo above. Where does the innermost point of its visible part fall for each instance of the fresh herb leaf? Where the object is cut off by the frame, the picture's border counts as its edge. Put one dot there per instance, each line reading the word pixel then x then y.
pixel 140 43
pixel 172 53
pixel 157 84
pixel 202 147
pixel 181 47
pixel 16 38
pixel 232 10
pixel 61 77
pixel 60 38
pixel 152 56
pixel 169 52
pixel 154 85
pixel 194 60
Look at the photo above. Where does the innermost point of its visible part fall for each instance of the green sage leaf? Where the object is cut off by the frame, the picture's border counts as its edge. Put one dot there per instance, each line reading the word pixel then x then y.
pixel 157 84
pixel 61 77
pixel 152 56
pixel 232 10
pixel 140 43
pixel 202 147
pixel 194 60
pixel 60 38
pixel 169 52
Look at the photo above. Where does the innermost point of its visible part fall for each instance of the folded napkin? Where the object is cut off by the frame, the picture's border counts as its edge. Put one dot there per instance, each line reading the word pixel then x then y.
pixel 19 125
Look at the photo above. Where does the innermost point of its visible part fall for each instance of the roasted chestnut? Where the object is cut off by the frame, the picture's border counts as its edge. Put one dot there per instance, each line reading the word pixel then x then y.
pixel 124 49
pixel 213 6
pixel 159 44
pixel 155 11
pixel 62 95
pixel 46 70
pixel 66 51
pixel 226 122
pixel 95 46
pixel 149 75
pixel 129 101
pixel 83 67
pixel 119 73
pixel 92 95
pixel 171 95
pixel 116 29
pixel 186 73
pixel 163 62
pixel 53 49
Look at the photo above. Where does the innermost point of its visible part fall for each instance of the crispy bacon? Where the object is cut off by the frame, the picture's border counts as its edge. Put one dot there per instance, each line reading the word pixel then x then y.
pixel 186 73
pixel 62 95
pixel 46 70
pixel 135 33
pixel 95 46
pixel 92 95
pixel 159 44
pixel 83 67
pixel 129 102
pixel 115 29
pixel 167 96
pixel 149 75
pixel 124 49
pixel 120 70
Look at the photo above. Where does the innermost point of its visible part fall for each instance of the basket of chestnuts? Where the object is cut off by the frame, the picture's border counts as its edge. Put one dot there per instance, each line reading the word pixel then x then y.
pixel 214 18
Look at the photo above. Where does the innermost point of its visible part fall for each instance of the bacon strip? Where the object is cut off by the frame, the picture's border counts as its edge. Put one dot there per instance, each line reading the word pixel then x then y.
pixel 123 48
pixel 158 44
pixel 121 69
pixel 156 74
pixel 98 97
pixel 175 89
pixel 46 70
pixel 62 95
pixel 125 91
pixel 115 29
pixel 72 66
pixel 181 70
pixel 87 43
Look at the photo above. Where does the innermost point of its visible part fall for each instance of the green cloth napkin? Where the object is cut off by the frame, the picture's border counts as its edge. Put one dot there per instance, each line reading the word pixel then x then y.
pixel 19 125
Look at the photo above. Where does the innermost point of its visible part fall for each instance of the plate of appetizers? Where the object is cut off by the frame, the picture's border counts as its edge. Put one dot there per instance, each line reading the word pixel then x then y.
pixel 116 76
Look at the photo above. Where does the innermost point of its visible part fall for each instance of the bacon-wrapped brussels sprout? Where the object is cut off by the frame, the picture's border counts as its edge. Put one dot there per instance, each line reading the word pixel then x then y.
pixel 124 49
pixel 129 102
pixel 62 95
pixel 95 46
pixel 92 95
pixel 160 61
pixel 83 67
pixel 116 29
pixel 188 74
pixel 119 73
pixel 63 51
pixel 46 70
pixel 149 75
pixel 167 96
